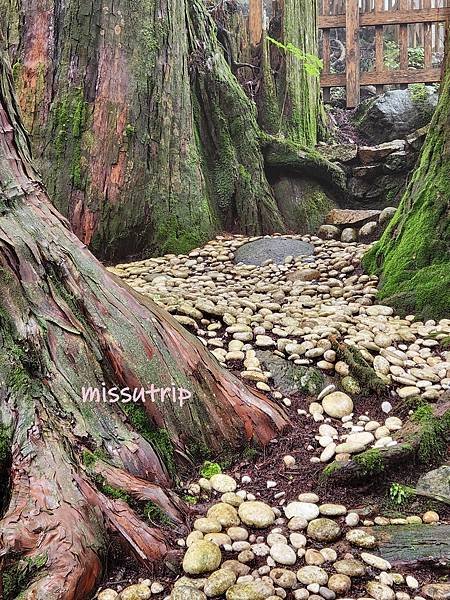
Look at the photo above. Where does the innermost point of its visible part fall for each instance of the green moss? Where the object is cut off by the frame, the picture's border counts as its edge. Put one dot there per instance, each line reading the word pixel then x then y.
pixel 17 73
pixel 158 438
pixel 331 469
pixel 209 469
pixel 5 443
pixel 413 256
pixel 360 369
pixel 18 576
pixel 371 461
pixel 89 458
pixel 6 276
pixel 250 453
pixel 114 493
pixel 154 514
pixel 433 433
pixel 190 499
pixel 69 117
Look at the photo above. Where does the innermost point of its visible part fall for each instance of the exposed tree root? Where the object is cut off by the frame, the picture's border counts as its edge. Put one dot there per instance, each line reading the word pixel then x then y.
pixel 424 437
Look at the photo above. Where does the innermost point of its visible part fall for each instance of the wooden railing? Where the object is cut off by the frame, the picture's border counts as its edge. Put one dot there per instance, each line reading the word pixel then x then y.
pixel 353 20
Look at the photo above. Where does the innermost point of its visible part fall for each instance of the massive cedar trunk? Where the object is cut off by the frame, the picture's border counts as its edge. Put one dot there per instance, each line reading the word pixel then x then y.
pixel 413 256
pixel 65 324
pixel 113 96
pixel 289 98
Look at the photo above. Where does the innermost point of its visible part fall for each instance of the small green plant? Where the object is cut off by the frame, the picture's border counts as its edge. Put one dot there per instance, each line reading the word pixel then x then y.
pixel 155 514
pixel 209 469
pixel 313 64
pixel 130 130
pixel 190 499
pixel 399 494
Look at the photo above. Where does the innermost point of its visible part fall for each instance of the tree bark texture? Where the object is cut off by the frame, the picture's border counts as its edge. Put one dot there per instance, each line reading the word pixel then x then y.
pixel 289 98
pixel 114 94
pixel 66 323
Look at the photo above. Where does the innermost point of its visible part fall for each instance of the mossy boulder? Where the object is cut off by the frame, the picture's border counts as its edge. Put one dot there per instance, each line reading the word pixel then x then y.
pixel 303 203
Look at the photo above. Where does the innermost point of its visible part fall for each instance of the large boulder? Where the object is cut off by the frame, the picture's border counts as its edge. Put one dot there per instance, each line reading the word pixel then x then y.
pixel 302 202
pixel 396 114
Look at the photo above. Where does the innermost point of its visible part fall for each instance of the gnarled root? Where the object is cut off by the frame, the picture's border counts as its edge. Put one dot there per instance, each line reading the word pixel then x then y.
pixel 54 533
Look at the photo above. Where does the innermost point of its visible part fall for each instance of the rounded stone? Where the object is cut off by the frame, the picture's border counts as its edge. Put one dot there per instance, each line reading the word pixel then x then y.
pixel 314 557
pixel 201 557
pixel 312 574
pixel 297 524
pixel 207 525
pixel 306 510
pixel 350 567
pixel 220 539
pixel 376 561
pixel 237 534
pixel 223 513
pixel 253 590
pixel 232 498
pixel 283 554
pixel 323 530
pixel 139 591
pixel 340 584
pixel 218 582
pixel 332 510
pixel 223 483
pixel 187 592
pixel 430 517
pixel 109 594
pixel 337 405
pixel 360 538
pixel 256 514
pixel 283 578
pixel 380 591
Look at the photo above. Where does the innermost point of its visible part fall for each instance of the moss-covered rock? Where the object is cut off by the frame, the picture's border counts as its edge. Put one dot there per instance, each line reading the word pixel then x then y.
pixel 303 203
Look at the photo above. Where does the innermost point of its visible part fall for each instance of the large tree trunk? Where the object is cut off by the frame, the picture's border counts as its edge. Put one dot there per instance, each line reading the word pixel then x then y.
pixel 113 94
pixel 289 97
pixel 413 256
pixel 65 324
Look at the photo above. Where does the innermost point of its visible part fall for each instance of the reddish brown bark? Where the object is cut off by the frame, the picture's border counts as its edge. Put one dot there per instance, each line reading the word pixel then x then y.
pixel 66 323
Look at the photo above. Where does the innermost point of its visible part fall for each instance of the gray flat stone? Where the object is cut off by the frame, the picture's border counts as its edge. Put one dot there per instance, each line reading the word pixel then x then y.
pixel 276 249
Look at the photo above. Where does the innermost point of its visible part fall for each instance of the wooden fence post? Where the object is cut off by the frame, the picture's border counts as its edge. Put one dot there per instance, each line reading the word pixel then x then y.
pixel 403 43
pixel 428 39
pixel 353 54
pixel 255 17
pixel 379 45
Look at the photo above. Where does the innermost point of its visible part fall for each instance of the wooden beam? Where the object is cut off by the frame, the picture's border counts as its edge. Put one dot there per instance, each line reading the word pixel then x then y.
pixel 397 17
pixel 428 40
pixel 352 62
pixel 403 41
pixel 255 20
pixel 385 78
pixel 326 61
pixel 379 45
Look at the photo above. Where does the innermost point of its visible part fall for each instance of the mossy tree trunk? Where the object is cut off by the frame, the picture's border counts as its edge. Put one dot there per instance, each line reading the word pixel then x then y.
pixel 289 98
pixel 66 323
pixel 413 255
pixel 113 93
